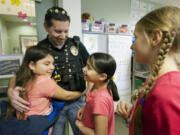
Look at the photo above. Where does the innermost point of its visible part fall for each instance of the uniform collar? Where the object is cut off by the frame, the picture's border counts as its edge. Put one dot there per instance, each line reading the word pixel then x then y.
pixel 58 47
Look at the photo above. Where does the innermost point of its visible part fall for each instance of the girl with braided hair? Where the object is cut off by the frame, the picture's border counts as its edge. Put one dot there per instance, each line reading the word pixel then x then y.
pixel 156 106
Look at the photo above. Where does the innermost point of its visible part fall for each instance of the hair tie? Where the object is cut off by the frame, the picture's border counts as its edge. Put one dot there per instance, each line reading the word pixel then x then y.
pixel 142 101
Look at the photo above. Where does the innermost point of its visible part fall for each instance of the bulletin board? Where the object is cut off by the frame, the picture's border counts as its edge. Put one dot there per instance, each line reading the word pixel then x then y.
pixel 138 9
pixel 119 48
pixel 12 7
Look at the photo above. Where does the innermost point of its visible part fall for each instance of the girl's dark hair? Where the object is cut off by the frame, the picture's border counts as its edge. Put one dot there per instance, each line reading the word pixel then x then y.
pixel 24 74
pixel 105 63
pixel 56 13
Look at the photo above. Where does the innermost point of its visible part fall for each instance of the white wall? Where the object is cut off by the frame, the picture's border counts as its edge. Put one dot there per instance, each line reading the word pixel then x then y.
pixel 41 8
pixel 117 11
pixel 14 30
pixel 73 7
pixel 4 36
pixel 1 47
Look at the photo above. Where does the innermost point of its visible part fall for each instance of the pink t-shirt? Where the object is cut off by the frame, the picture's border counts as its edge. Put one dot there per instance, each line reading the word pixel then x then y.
pixel 161 110
pixel 99 102
pixel 40 93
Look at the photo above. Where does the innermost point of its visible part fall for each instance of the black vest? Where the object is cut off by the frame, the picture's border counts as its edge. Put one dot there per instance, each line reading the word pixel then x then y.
pixel 68 65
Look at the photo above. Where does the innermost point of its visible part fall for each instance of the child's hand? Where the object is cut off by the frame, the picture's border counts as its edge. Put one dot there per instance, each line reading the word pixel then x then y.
pixel 79 124
pixel 88 88
pixel 83 129
pixel 123 109
pixel 80 113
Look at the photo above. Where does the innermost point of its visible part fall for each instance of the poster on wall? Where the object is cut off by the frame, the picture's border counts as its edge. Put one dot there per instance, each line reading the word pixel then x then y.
pixel 27 41
pixel 138 10
pixel 12 7
pixel 119 48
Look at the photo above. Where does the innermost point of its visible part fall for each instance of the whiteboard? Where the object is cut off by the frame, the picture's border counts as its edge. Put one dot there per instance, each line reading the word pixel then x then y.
pixel 95 42
pixel 119 48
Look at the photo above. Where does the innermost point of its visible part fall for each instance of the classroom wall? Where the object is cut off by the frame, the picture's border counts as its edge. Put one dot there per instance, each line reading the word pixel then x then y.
pixel 74 10
pixel 14 30
pixel 4 36
pixel 0 38
pixel 41 8
pixel 117 11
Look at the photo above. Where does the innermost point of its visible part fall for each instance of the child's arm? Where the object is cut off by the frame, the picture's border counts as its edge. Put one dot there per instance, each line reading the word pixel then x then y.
pixel 69 95
pixel 80 113
pixel 124 109
pixel 84 130
pixel 63 94
pixel 100 124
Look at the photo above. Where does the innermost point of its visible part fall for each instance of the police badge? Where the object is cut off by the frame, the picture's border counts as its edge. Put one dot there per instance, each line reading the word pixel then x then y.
pixel 74 50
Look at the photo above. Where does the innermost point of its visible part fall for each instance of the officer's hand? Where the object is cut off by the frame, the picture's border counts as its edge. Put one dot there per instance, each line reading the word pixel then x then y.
pixel 80 113
pixel 123 109
pixel 16 101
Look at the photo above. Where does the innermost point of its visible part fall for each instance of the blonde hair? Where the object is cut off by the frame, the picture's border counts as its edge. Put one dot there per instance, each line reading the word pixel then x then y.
pixel 166 19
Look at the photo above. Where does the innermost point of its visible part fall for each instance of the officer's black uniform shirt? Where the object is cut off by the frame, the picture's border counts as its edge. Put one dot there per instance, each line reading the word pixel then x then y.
pixel 60 60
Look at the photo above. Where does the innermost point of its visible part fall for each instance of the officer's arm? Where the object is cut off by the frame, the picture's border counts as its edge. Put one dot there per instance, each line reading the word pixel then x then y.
pixel 63 94
pixel 84 53
pixel 16 101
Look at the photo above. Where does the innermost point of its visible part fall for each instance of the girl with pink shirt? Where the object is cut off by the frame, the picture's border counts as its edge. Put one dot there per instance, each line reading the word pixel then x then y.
pixel 35 76
pixel 97 116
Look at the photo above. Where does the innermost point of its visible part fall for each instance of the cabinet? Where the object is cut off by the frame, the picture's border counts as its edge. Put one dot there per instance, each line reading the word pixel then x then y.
pixel 140 73
pixel 9 64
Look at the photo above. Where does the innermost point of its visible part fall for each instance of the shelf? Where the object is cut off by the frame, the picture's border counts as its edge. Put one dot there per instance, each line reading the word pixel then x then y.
pixel 3 89
pixel 141 74
pixel 106 33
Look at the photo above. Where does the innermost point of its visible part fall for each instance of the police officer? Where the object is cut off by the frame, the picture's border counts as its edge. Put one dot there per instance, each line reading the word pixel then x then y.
pixel 70 57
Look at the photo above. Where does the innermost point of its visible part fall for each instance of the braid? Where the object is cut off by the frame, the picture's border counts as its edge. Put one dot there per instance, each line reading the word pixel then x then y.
pixel 164 49
pixel 144 91
pixel 176 49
